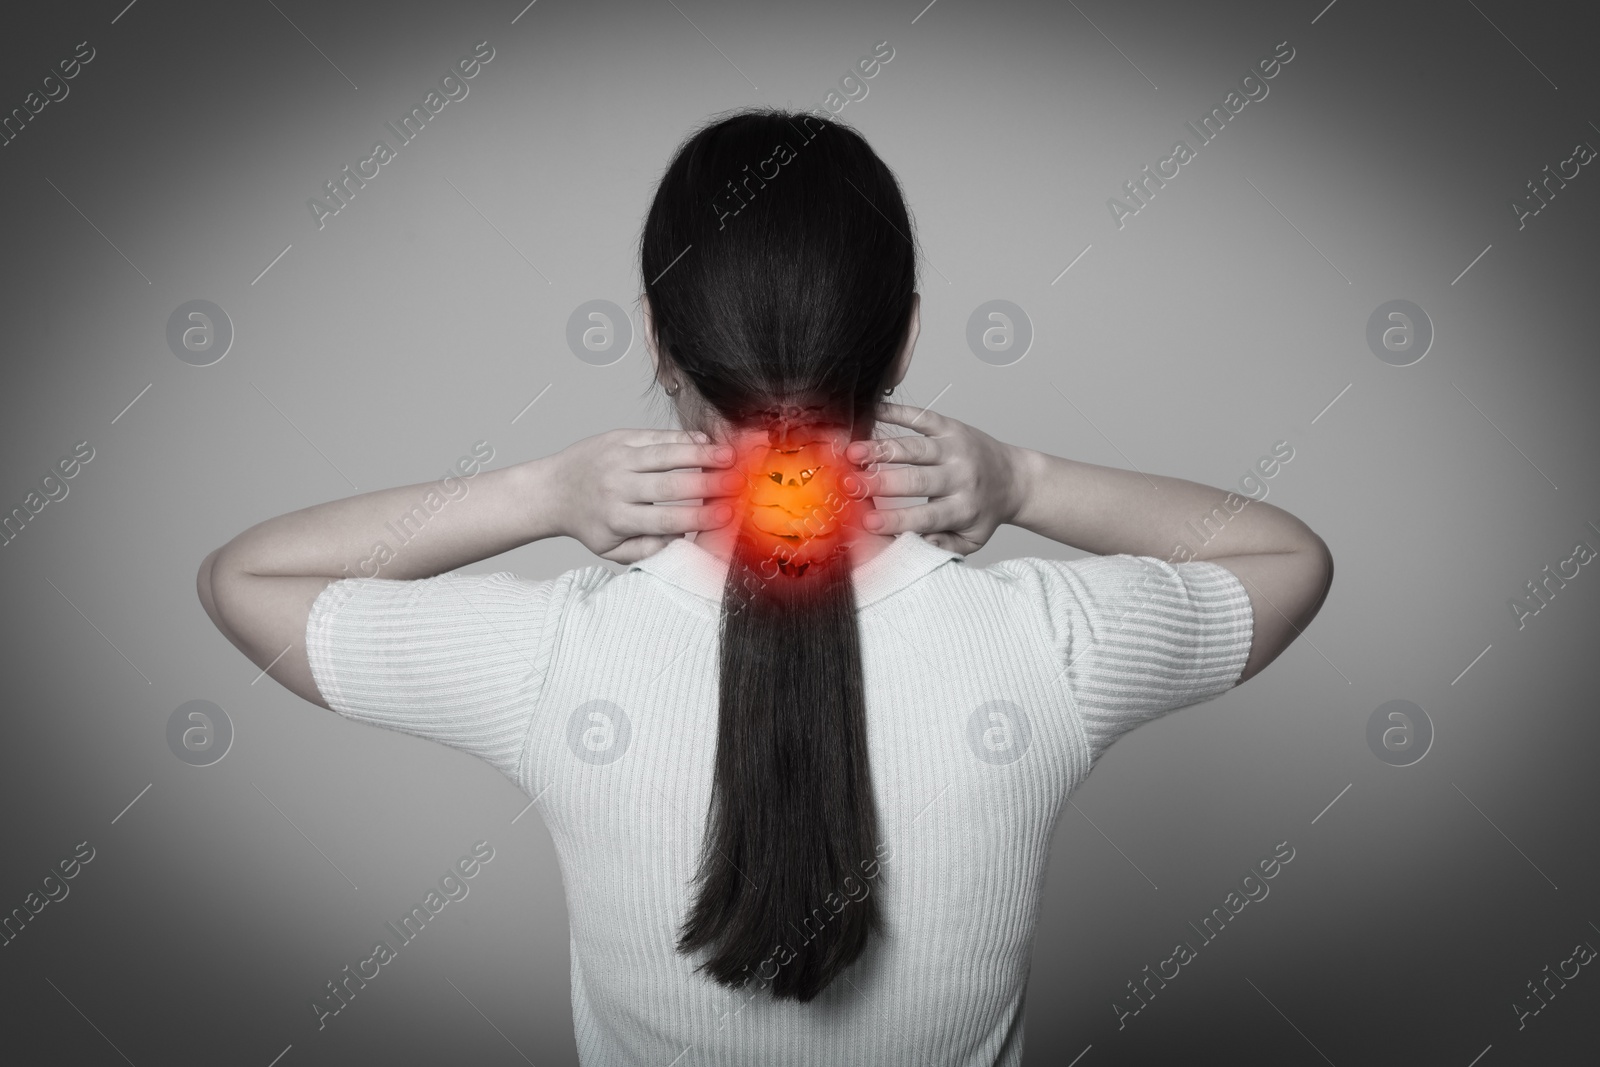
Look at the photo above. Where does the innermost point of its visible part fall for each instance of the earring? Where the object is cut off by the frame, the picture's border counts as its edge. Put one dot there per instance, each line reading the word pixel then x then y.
pixel 888 392
pixel 672 390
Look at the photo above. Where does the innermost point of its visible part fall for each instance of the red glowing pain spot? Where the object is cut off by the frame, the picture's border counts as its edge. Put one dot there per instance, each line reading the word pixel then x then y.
pixel 800 502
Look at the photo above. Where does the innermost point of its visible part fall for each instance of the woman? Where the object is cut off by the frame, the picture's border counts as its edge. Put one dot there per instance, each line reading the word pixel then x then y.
pixel 800 763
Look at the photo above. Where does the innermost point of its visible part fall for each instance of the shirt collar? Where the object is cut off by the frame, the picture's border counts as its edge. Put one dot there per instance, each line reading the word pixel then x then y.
pixel 902 561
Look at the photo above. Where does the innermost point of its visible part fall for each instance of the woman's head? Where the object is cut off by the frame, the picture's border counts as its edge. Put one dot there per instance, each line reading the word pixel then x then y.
pixel 778 267
pixel 780 307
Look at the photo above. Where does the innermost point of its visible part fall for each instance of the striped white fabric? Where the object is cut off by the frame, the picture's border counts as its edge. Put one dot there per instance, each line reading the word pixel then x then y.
pixel 990 693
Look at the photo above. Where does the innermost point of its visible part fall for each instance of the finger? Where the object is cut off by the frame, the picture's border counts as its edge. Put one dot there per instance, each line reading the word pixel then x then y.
pixel 909 448
pixel 659 488
pixel 923 420
pixel 639 438
pixel 636 548
pixel 672 455
pixel 932 517
pixel 662 519
pixel 910 481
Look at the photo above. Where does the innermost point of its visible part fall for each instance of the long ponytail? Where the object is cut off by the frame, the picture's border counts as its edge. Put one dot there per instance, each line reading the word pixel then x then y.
pixel 792 808
pixel 800 288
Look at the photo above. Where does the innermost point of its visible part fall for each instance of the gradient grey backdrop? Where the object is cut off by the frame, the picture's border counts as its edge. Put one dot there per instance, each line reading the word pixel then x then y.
pixel 1223 318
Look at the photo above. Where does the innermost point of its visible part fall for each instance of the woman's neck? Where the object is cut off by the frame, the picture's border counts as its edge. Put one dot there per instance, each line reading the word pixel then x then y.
pixel 760 458
pixel 862 545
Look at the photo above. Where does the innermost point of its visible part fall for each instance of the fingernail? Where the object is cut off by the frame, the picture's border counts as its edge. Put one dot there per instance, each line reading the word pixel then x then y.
pixel 873 522
pixel 722 513
pixel 856 452
pixel 724 454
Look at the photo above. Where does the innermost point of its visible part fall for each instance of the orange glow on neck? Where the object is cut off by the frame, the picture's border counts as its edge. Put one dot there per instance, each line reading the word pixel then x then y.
pixel 802 498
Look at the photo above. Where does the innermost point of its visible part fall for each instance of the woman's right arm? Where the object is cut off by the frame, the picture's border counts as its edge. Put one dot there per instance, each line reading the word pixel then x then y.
pixel 975 483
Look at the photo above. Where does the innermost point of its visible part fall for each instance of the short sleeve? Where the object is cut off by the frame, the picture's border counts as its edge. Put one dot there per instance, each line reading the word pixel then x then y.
pixel 1137 637
pixel 459 658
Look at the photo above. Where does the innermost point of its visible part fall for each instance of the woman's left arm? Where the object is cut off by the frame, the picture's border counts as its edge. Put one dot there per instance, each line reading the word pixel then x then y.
pixel 259 587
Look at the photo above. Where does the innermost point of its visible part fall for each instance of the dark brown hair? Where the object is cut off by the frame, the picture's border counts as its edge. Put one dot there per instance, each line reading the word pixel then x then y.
pixel 777 257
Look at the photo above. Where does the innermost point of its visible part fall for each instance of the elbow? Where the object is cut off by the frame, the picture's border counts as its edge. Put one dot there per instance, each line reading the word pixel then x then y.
pixel 1320 564
pixel 204 589
pixel 204 583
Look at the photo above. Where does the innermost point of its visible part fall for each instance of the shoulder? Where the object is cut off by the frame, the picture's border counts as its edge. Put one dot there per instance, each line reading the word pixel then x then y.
pixel 462 607
pixel 460 589
pixel 1097 591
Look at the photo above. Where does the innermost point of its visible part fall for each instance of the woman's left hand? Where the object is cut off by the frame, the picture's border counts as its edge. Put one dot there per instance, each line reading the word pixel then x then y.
pixel 614 491
pixel 973 482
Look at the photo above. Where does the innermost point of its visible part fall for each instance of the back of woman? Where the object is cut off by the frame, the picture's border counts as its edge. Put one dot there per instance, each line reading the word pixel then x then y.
pixel 800 761
pixel 990 691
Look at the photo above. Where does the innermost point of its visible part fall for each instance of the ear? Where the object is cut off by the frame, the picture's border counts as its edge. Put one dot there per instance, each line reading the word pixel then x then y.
pixel 902 362
pixel 649 332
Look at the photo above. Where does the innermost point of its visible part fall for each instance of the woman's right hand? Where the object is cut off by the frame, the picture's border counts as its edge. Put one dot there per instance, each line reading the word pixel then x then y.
pixel 615 491
pixel 973 482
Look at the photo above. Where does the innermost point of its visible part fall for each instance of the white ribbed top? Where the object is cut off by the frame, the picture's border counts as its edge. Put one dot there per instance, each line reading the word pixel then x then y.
pixel 990 693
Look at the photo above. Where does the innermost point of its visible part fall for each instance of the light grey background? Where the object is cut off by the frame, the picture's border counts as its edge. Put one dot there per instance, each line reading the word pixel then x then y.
pixel 1223 318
